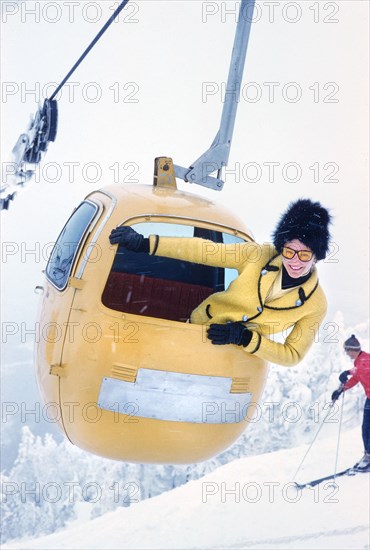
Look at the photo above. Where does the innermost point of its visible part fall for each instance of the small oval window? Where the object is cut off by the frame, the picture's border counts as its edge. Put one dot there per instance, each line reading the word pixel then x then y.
pixel 68 243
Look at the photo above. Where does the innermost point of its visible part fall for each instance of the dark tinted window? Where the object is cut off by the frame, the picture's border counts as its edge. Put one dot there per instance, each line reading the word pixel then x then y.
pixel 64 252
pixel 166 288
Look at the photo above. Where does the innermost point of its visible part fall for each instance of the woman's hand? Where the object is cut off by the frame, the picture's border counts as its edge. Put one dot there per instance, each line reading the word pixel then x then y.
pixel 129 238
pixel 229 333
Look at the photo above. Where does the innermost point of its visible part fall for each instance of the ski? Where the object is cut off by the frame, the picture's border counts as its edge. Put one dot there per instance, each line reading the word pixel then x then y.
pixel 348 471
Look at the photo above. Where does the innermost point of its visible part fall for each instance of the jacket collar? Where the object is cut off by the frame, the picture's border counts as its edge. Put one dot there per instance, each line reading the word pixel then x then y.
pixel 291 299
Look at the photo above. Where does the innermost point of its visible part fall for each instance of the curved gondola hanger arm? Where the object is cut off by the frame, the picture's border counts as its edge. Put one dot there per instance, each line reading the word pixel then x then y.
pixel 32 144
pixel 217 156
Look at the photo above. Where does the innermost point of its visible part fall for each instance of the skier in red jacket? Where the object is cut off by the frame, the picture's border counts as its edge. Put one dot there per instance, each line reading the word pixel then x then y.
pixel 359 373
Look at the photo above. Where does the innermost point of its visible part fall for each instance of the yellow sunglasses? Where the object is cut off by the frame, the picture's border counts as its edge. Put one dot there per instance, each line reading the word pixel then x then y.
pixel 303 255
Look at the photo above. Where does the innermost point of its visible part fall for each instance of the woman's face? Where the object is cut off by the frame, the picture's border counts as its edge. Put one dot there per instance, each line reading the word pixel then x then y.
pixel 294 266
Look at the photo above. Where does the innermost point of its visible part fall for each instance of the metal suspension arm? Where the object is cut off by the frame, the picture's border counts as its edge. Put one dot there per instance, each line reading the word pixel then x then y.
pixel 217 156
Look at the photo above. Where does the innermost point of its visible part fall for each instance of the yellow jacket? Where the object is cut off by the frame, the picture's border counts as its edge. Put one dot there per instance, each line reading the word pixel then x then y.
pixel 301 309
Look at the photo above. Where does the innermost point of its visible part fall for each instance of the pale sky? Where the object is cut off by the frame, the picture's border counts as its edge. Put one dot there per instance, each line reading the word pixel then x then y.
pixel 153 86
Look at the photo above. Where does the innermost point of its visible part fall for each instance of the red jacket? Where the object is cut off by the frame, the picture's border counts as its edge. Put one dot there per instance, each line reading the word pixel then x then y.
pixel 360 373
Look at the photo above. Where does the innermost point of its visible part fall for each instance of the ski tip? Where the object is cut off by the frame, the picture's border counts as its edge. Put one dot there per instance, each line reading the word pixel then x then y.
pixel 301 486
pixel 361 470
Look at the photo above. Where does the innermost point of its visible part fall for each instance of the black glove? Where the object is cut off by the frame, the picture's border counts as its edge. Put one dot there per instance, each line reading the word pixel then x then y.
pixel 231 333
pixel 343 377
pixel 129 238
pixel 335 395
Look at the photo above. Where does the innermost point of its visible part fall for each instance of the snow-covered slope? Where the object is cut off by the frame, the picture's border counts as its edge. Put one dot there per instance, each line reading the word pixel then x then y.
pixel 249 503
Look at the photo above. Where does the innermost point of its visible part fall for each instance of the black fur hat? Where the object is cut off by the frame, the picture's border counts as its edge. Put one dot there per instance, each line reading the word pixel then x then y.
pixel 306 221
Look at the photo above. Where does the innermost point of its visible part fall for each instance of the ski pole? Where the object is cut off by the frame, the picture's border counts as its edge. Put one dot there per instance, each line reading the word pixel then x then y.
pixel 314 439
pixel 339 432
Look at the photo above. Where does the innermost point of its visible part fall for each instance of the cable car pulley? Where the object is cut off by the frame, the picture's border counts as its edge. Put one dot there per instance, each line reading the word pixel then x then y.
pixel 42 129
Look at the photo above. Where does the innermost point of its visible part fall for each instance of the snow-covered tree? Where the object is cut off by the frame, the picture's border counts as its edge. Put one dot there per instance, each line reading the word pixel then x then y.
pixel 50 484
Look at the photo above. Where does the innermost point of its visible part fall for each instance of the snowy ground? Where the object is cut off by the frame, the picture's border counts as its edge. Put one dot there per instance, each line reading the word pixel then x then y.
pixel 249 503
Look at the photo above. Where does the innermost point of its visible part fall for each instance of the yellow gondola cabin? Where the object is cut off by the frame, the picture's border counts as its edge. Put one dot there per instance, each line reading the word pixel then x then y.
pixel 133 379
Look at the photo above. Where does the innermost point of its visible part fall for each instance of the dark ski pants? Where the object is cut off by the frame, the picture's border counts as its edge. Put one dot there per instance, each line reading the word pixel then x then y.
pixel 366 426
